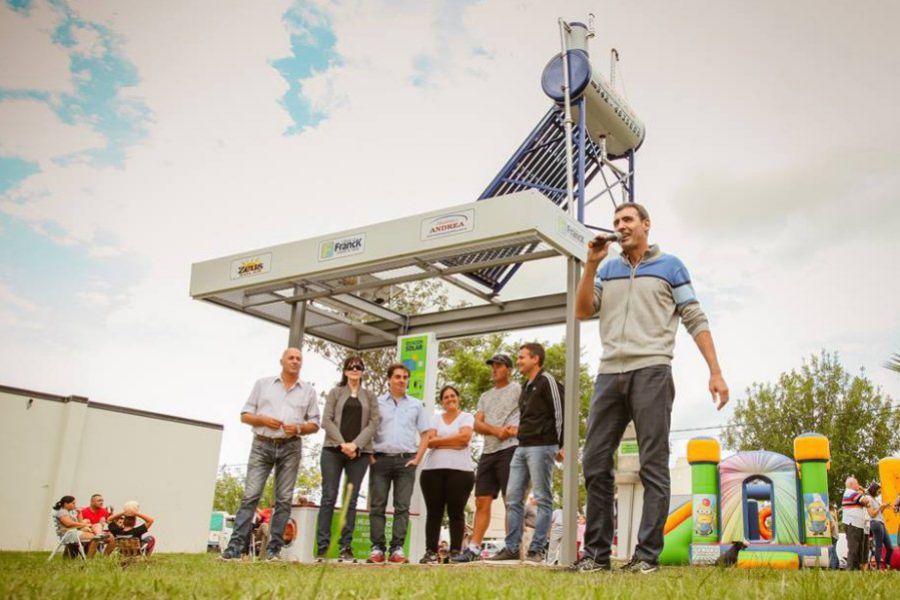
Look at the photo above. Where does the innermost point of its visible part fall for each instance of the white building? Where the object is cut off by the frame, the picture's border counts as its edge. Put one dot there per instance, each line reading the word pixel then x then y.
pixel 52 446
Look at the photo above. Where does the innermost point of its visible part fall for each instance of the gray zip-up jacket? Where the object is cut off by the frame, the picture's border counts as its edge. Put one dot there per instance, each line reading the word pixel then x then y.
pixel 334 408
pixel 639 308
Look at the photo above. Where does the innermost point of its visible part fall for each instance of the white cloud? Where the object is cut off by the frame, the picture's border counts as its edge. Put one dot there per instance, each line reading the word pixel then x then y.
pixel 31 130
pixel 29 60
pixel 215 175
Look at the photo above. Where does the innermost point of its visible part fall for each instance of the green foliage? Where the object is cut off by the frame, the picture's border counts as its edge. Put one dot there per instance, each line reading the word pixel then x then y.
pixel 822 396
pixel 427 295
pixel 230 487
pixel 893 363
pixel 229 491
pixel 461 362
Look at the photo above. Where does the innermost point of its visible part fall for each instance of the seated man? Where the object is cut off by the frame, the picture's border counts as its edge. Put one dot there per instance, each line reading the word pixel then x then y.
pixel 96 513
pixel 124 525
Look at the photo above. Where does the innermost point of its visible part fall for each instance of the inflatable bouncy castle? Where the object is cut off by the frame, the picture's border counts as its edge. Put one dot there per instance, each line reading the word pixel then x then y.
pixel 775 507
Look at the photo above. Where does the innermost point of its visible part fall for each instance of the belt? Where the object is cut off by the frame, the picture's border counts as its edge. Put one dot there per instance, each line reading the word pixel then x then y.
pixel 276 441
pixel 396 454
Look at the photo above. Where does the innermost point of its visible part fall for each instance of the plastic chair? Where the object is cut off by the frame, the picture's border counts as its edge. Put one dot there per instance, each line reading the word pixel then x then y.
pixel 71 537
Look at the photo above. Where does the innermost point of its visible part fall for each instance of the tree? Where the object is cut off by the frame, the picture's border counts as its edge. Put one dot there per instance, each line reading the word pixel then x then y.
pixel 230 486
pixel 893 363
pixel 406 299
pixel 858 420
pixel 229 491
pixel 465 367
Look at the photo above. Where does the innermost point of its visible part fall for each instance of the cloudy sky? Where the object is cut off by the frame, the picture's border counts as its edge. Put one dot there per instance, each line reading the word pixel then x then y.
pixel 137 138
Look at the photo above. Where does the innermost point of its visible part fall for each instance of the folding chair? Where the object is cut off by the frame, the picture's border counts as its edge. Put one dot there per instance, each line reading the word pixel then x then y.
pixel 129 547
pixel 71 537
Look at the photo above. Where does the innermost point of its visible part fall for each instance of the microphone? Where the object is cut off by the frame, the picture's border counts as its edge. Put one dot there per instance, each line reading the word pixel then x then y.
pixel 604 238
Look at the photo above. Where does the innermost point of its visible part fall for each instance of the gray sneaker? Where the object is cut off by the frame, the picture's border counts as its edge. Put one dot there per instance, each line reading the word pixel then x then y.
pixel 640 566
pixel 230 554
pixel 504 555
pixel 589 565
pixel 534 557
pixel 466 556
pixel 273 556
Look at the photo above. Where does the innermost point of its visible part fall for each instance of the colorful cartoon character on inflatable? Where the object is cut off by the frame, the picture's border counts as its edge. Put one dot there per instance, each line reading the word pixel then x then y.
pixel 818 516
pixel 705 519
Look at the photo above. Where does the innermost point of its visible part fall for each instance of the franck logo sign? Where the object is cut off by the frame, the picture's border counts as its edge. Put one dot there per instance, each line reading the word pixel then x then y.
pixel 341 247
pixel 566 229
pixel 251 265
pixel 449 224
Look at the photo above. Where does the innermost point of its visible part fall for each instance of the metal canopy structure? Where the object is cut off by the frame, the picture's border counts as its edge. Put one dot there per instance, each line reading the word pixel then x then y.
pixel 337 287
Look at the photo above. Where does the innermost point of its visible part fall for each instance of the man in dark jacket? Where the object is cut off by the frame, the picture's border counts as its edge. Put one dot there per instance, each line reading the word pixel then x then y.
pixel 540 445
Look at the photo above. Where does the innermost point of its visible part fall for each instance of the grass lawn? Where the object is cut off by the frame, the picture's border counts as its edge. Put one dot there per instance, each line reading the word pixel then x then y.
pixel 28 575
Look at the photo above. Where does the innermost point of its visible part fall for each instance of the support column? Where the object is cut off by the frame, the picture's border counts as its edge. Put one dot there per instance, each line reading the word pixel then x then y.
pixel 298 324
pixel 570 417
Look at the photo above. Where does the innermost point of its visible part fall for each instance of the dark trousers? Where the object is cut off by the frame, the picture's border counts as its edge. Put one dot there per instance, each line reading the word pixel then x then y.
pixel 881 540
pixel 445 490
pixel 856 539
pixel 644 396
pixel 334 463
pixel 264 456
pixel 387 472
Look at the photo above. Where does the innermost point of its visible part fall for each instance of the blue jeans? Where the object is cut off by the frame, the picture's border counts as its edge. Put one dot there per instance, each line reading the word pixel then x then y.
pixel 530 464
pixel 882 540
pixel 387 472
pixel 264 456
pixel 334 462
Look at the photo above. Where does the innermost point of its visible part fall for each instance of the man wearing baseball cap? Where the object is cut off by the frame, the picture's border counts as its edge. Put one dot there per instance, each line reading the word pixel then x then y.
pixel 497 419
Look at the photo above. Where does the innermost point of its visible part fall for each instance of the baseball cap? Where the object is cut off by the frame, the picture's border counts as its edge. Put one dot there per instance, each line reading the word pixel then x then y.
pixel 503 359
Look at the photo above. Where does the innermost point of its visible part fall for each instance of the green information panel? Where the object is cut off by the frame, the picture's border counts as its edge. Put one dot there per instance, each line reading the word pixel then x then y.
pixel 628 448
pixel 413 355
pixel 360 542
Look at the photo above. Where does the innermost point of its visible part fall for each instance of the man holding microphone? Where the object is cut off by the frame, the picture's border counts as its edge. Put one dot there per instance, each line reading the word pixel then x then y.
pixel 280 409
pixel 639 297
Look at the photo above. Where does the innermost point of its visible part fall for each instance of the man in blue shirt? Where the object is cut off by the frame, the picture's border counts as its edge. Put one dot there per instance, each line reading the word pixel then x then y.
pixel 399 446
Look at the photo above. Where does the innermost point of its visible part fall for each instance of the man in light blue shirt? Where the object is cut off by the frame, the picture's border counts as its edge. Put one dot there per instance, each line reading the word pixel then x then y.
pixel 399 445
pixel 280 409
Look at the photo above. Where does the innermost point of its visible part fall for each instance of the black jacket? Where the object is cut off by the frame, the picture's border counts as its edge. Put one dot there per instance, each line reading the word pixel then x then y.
pixel 541 411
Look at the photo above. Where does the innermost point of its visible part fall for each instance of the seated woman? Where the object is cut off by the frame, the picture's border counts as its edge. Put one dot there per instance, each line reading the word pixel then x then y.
pixel 124 525
pixel 66 519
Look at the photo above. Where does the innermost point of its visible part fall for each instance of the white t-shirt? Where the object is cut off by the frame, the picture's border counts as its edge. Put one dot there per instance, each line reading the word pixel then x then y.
pixel 458 459
pixel 875 504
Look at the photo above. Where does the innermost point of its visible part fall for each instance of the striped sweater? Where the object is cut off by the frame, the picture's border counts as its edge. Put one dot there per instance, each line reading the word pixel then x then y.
pixel 639 309
pixel 541 412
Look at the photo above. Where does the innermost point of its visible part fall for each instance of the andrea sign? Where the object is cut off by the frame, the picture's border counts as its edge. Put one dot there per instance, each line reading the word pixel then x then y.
pixel 341 247
pixel 449 224
pixel 251 265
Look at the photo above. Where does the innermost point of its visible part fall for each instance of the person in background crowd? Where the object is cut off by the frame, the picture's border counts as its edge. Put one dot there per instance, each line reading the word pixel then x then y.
pixel 854 502
pixel 350 421
pixel 497 419
pixel 833 528
pixel 556 536
pixel 66 518
pixel 96 513
pixel 280 409
pixel 447 474
pixel 877 528
pixel 124 524
pixel 393 465
pixel 540 444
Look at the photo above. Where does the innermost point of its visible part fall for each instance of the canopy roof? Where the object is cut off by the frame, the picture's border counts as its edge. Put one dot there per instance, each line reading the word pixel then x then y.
pixel 339 284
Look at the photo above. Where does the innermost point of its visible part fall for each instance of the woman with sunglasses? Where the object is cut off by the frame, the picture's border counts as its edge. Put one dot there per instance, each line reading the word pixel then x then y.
pixel 350 421
pixel 447 474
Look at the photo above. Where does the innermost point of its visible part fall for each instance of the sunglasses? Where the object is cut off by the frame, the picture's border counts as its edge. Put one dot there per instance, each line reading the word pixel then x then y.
pixel 359 368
